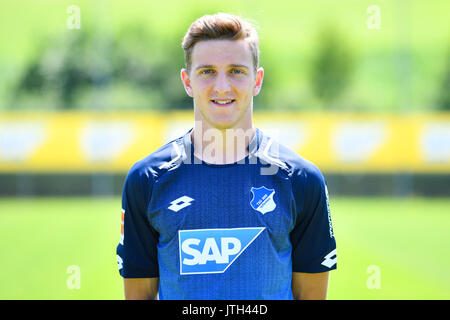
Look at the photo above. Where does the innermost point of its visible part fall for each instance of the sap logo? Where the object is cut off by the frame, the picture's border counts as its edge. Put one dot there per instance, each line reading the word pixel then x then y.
pixel 213 250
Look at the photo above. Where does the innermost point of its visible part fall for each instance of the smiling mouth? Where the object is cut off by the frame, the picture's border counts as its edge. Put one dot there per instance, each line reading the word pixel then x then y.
pixel 223 103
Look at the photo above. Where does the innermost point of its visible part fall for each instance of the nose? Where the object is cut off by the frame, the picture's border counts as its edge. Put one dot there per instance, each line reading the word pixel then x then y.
pixel 222 85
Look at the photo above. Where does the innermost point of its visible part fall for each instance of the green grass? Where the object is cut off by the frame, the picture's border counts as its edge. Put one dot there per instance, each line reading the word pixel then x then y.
pixel 408 240
pixel 43 237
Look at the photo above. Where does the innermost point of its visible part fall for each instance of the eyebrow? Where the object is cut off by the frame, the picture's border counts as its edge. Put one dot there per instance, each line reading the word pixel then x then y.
pixel 203 66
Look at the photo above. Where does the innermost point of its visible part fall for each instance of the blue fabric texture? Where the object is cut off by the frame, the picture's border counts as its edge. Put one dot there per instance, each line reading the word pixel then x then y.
pixel 234 231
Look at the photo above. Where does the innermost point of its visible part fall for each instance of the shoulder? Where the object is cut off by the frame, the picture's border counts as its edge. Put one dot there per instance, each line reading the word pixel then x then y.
pixel 294 165
pixel 158 162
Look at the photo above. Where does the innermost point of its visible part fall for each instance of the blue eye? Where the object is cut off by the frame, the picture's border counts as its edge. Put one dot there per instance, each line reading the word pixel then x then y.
pixel 206 71
pixel 237 71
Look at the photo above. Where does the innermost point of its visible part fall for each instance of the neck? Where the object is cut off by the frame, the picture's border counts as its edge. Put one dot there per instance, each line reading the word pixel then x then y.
pixel 221 145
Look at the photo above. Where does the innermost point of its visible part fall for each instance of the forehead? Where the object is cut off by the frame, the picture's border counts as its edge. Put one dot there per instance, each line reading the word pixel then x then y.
pixel 221 52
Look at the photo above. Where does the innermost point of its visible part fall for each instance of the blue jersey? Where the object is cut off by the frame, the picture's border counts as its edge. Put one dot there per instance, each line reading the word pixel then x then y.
pixel 232 231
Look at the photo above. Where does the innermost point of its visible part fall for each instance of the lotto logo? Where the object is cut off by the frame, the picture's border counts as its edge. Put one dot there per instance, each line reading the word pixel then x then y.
pixel 180 203
pixel 330 259
pixel 213 250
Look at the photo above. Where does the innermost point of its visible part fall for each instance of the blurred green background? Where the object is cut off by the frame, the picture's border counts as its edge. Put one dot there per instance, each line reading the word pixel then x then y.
pixel 318 56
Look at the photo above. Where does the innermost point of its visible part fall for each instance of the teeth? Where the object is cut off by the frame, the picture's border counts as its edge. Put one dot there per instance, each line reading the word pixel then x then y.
pixel 222 101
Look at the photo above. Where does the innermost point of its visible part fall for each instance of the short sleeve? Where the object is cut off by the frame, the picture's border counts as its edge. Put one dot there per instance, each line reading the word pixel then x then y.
pixel 313 242
pixel 137 249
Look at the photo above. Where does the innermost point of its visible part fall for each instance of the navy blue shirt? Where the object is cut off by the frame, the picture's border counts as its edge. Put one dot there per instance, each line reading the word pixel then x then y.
pixel 232 231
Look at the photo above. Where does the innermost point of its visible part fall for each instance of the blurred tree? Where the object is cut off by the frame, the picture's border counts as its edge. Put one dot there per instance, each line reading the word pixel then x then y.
pixel 60 68
pixel 81 65
pixel 443 98
pixel 332 67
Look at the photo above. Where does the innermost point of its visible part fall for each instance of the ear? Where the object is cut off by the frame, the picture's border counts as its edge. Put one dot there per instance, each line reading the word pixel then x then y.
pixel 258 81
pixel 186 82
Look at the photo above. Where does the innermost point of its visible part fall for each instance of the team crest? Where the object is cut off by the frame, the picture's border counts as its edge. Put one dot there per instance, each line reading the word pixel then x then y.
pixel 263 199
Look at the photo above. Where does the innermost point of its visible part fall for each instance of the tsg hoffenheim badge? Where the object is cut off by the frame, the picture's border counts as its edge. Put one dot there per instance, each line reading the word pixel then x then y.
pixel 263 199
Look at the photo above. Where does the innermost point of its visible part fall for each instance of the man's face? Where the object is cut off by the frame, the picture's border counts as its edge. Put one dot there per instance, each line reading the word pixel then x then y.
pixel 222 82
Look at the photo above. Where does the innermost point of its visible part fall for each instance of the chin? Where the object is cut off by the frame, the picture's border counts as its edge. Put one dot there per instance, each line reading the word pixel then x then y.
pixel 223 121
pixel 222 125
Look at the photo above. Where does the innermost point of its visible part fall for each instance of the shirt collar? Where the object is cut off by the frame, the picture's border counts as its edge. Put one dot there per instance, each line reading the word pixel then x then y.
pixel 252 148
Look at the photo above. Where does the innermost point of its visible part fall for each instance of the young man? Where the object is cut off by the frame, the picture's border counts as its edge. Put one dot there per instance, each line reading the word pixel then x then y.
pixel 225 212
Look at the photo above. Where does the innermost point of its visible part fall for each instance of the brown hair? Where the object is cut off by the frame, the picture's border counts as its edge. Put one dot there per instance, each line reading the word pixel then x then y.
pixel 220 26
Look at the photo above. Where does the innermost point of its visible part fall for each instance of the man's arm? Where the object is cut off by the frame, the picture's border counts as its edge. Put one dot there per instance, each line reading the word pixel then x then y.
pixel 141 288
pixel 309 286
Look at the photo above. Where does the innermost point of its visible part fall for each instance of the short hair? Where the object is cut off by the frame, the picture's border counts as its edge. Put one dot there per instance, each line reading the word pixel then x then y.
pixel 220 26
